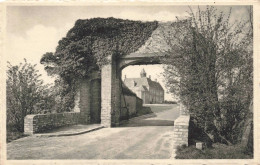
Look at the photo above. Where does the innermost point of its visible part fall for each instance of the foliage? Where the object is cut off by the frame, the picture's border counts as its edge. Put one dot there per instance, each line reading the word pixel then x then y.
pixel 218 151
pixel 211 70
pixel 88 43
pixel 13 134
pixel 26 94
pixel 63 95
pixel 86 47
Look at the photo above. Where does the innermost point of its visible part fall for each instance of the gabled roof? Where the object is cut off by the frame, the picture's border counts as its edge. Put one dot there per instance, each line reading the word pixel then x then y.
pixel 154 84
pixel 139 81
pixel 143 83
pixel 127 91
pixel 143 88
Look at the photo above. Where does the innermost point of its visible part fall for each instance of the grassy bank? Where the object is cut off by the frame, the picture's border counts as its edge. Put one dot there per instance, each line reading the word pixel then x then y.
pixel 218 151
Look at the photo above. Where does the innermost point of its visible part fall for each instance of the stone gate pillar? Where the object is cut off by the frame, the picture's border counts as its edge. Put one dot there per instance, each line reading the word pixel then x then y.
pixel 110 93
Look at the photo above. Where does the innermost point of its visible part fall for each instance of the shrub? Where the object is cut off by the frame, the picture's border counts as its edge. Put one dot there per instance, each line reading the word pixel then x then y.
pixel 25 94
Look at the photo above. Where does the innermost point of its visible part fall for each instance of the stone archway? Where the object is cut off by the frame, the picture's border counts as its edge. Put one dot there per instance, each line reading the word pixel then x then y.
pixel 110 84
pixel 150 52
pixel 100 95
pixel 98 98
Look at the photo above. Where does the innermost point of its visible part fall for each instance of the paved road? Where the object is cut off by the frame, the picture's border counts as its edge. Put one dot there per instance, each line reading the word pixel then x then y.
pixel 147 137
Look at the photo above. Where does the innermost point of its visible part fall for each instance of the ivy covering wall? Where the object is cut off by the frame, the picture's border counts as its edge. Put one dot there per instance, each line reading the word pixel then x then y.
pixel 88 43
pixel 85 48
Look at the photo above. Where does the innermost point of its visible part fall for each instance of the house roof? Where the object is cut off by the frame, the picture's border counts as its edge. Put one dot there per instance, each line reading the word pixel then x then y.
pixel 127 91
pixel 143 88
pixel 154 84
pixel 143 83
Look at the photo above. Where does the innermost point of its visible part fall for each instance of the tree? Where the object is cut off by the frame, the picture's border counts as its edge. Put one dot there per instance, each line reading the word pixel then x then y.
pixel 214 62
pixel 26 93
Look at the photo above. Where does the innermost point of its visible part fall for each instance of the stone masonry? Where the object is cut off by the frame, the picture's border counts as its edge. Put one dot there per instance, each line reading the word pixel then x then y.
pixel 106 95
pixel 110 93
pixel 181 129
pixel 108 89
pixel 95 101
pixel 84 103
pixel 88 98
pixel 133 104
pixel 98 99
pixel 43 122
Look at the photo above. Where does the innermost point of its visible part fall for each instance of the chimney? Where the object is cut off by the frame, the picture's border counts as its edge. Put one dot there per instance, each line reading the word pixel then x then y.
pixel 156 79
pixel 150 77
pixel 143 73
pixel 125 76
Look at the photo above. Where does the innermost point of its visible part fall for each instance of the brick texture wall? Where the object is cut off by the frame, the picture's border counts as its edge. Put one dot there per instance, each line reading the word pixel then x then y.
pixel 181 130
pixel 106 93
pixel 43 122
pixel 110 93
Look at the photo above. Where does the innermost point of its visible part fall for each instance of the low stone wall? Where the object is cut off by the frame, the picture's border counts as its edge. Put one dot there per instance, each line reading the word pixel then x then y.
pixel 181 130
pixel 139 104
pixel 42 122
pixel 133 103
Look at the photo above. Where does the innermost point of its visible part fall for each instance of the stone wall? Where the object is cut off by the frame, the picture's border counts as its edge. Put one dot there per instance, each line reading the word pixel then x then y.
pixel 181 127
pixel 95 101
pixel 110 93
pixel 133 103
pixel 139 104
pixel 85 98
pixel 43 122
pixel 181 130
pixel 106 86
pixel 88 98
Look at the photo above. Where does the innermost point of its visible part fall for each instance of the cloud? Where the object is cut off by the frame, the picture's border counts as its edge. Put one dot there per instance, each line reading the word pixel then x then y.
pixel 162 16
pixel 38 40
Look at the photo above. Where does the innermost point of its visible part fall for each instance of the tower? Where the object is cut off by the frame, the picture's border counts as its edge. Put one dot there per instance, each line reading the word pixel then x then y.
pixel 143 73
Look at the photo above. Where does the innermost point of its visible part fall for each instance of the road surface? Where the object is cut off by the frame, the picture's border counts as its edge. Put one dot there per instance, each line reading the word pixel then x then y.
pixel 147 137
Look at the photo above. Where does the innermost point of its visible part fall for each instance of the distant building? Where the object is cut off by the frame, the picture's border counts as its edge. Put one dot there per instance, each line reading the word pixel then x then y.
pixel 149 91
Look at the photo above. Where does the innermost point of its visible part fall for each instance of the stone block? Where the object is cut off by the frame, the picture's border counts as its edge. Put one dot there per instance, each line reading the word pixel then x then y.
pixel 42 122
pixel 181 130
pixel 200 145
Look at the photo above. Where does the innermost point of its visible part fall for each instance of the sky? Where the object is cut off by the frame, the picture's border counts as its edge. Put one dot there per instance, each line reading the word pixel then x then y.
pixel 35 30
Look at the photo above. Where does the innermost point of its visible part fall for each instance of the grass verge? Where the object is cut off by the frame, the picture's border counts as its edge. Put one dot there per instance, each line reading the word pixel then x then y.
pixel 218 151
